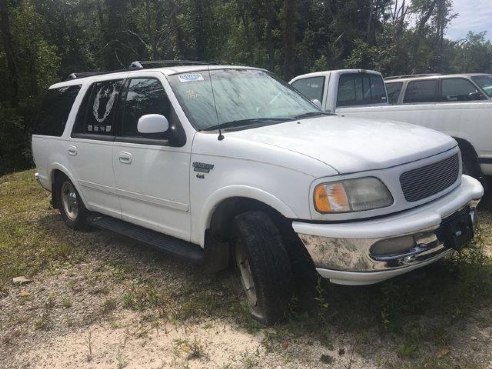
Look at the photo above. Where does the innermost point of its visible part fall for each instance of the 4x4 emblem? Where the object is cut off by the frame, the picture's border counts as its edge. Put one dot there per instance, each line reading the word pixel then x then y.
pixel 202 167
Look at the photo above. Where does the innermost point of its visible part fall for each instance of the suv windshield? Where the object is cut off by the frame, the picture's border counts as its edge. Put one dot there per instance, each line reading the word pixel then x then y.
pixel 238 97
pixel 485 83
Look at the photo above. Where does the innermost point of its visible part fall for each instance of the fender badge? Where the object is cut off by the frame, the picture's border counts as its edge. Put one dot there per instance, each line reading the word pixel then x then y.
pixel 202 167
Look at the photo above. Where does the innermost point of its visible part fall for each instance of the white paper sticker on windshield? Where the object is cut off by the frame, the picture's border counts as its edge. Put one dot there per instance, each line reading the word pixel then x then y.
pixel 190 77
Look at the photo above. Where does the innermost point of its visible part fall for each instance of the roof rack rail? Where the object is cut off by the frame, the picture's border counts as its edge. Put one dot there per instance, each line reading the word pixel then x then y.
pixel 165 63
pixel 140 65
pixel 412 75
pixel 77 75
pixel 82 75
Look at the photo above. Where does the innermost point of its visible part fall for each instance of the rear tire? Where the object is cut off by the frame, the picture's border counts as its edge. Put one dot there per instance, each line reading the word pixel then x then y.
pixel 72 209
pixel 264 267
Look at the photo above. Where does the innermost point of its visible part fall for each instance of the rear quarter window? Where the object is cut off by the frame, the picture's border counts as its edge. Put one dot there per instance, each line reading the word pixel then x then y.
pixel 421 91
pixel 55 108
pixel 393 89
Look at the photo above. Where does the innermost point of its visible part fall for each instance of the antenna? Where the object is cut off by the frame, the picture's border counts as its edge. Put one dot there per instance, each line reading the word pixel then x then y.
pixel 221 136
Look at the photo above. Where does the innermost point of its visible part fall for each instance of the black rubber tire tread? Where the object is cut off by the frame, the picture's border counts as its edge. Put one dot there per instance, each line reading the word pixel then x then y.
pixel 305 276
pixel 468 165
pixel 79 224
pixel 269 264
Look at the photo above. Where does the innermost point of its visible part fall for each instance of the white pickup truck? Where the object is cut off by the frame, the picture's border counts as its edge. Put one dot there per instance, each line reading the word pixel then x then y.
pixel 440 102
pixel 208 162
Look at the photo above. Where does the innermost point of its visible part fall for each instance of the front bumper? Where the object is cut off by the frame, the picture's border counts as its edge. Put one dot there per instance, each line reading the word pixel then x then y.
pixel 371 251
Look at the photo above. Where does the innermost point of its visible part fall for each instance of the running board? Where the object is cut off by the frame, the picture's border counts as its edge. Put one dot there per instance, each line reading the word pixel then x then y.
pixel 168 244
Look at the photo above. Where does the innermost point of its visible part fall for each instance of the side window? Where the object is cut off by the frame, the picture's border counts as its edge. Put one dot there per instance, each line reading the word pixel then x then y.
pixel 421 91
pixel 393 90
pixel 55 109
pixel 98 109
pixel 144 96
pixel 311 87
pixel 360 89
pixel 459 89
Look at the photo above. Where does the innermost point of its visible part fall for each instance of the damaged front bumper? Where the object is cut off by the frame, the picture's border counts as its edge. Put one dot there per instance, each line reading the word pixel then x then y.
pixel 370 251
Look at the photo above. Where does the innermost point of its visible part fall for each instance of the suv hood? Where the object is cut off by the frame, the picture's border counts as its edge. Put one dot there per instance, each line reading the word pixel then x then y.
pixel 351 144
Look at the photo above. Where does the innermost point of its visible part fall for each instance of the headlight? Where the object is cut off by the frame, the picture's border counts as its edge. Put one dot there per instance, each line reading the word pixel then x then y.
pixel 351 195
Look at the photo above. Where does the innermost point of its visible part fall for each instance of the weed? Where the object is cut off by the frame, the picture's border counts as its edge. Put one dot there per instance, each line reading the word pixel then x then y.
pixel 193 349
pixel 109 305
pixel 43 322
pixel 67 302
pixel 407 349
pixel 89 346
pixel 121 361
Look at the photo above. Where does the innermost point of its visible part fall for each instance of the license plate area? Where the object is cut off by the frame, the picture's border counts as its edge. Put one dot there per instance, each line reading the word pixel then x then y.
pixel 456 231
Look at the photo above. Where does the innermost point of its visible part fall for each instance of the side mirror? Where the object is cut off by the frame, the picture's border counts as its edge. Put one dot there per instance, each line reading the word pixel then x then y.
pixel 152 123
pixel 317 103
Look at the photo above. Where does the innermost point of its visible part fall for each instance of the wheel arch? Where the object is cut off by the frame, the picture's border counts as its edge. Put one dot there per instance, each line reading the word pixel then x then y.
pixel 55 171
pixel 468 151
pixel 217 225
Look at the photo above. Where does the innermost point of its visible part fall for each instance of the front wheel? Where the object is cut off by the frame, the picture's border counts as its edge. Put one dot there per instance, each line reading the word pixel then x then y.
pixel 72 210
pixel 264 267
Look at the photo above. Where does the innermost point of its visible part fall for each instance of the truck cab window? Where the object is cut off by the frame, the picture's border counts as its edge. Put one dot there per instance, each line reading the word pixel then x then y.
pixel 311 87
pixel 360 89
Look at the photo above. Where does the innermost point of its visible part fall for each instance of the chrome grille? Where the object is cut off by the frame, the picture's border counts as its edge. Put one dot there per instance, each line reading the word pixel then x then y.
pixel 419 183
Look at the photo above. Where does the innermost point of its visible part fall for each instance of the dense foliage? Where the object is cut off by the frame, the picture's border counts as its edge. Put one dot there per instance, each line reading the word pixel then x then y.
pixel 45 40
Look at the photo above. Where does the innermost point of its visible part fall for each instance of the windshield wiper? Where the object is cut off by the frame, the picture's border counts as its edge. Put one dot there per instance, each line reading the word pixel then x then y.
pixel 310 114
pixel 245 122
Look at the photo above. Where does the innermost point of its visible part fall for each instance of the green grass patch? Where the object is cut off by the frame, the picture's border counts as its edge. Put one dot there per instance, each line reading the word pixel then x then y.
pixel 26 244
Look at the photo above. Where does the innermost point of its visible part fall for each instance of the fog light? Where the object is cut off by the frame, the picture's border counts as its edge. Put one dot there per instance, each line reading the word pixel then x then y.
pixel 392 246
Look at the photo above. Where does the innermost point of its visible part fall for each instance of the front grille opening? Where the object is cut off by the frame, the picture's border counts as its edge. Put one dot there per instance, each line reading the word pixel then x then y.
pixel 420 183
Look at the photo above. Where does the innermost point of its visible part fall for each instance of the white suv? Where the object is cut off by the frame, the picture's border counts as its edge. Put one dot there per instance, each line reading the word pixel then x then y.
pixel 213 163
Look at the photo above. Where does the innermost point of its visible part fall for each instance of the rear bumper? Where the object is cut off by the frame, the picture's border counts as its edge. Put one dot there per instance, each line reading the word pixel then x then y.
pixel 370 251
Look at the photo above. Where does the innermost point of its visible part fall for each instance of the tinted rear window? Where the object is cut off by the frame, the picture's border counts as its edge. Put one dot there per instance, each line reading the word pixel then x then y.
pixel 55 109
pixel 421 91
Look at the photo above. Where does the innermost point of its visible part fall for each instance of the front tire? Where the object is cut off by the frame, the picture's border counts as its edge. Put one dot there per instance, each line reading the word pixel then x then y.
pixel 264 267
pixel 72 209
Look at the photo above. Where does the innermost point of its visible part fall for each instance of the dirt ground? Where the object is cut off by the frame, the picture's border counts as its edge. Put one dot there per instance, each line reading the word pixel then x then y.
pixel 98 300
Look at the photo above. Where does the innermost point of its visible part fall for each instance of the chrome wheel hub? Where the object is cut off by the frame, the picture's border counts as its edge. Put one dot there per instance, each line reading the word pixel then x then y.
pixel 69 201
pixel 247 281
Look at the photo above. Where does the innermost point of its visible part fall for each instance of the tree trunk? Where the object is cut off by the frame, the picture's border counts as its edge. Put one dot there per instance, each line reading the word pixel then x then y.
pixel 9 53
pixel 289 31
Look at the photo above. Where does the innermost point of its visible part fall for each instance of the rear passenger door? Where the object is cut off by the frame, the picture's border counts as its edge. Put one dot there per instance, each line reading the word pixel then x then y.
pixel 152 171
pixel 91 148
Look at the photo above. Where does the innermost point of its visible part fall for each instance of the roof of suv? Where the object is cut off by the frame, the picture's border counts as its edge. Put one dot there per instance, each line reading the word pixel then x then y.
pixel 429 76
pixel 168 71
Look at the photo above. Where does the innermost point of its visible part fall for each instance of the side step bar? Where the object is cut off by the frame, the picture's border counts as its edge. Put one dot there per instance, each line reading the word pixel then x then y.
pixel 168 244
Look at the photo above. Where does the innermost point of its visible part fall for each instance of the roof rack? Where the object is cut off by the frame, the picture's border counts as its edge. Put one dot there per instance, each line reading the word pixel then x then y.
pixel 144 64
pixel 412 75
pixel 82 75
pixel 165 63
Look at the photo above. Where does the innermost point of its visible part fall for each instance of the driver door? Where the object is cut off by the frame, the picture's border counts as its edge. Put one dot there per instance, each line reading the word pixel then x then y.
pixel 151 172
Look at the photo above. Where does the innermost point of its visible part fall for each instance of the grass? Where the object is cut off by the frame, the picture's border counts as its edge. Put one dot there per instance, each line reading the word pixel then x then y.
pixel 415 314
pixel 26 245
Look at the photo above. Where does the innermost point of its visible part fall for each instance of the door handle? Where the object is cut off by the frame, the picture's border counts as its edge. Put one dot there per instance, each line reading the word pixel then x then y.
pixel 72 150
pixel 125 157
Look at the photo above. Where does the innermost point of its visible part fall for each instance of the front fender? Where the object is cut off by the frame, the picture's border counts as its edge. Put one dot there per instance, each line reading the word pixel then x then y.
pixel 213 201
